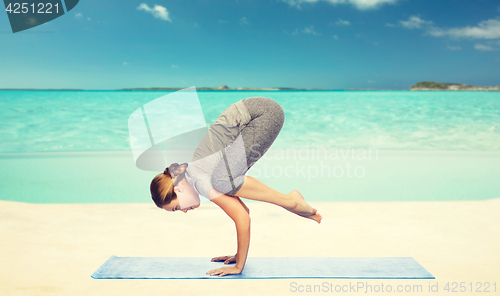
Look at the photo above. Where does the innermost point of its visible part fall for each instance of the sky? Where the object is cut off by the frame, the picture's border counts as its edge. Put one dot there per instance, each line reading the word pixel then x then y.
pixel 326 44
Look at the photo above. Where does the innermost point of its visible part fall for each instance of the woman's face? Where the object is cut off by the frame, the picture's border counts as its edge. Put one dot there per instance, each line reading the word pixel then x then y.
pixel 187 198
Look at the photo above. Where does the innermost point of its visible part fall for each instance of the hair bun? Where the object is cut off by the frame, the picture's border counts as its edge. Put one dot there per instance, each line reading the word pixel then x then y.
pixel 173 166
pixel 176 171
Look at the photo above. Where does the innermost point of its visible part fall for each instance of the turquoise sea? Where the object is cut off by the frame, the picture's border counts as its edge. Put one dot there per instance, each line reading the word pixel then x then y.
pixel 62 121
pixel 72 146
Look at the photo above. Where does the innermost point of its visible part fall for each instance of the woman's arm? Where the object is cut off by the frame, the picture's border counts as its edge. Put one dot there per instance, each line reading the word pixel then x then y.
pixel 231 259
pixel 241 218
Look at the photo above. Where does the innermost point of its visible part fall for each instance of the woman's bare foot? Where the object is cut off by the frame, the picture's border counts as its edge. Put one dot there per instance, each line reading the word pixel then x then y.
pixel 300 207
pixel 316 217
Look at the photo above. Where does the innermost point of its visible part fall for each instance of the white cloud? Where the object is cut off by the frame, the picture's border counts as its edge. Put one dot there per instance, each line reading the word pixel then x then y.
pixel 175 66
pixel 307 30
pixel 370 4
pixel 157 11
pixel 335 37
pixel 389 25
pixel 196 25
pixel 222 22
pixel 489 29
pixel 415 22
pixel 310 30
pixel 125 63
pixel 244 21
pixel 80 15
pixel 341 22
pixel 482 47
pixel 359 4
pixel 453 47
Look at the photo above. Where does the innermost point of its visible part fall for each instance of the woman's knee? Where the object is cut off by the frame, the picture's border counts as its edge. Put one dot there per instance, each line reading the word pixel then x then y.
pixel 266 106
pixel 279 113
pixel 275 114
pixel 275 111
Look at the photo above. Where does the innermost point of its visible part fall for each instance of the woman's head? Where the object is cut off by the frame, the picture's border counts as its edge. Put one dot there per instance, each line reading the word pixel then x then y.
pixel 171 191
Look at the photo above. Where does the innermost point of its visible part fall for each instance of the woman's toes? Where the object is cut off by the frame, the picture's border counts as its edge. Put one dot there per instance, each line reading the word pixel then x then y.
pixel 317 218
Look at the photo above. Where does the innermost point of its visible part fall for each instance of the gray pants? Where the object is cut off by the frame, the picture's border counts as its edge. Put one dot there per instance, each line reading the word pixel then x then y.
pixel 258 134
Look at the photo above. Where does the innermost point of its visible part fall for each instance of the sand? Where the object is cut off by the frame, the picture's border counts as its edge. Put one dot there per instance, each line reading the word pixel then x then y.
pixel 52 249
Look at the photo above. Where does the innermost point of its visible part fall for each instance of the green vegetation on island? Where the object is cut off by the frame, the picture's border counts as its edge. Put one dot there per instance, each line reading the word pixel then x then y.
pixel 431 85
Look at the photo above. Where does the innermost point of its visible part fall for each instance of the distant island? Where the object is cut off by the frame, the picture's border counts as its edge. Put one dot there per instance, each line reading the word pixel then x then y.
pixel 223 87
pixel 430 85
pixel 425 85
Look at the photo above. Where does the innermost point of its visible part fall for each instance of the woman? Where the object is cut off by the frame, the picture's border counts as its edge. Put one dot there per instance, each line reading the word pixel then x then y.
pixel 240 136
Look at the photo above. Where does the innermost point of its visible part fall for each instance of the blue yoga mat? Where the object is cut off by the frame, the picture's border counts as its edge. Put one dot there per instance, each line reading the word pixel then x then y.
pixel 264 268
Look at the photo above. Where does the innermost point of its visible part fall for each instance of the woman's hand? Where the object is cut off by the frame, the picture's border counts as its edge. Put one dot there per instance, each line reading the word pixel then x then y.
pixel 226 259
pixel 225 270
pixel 235 210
